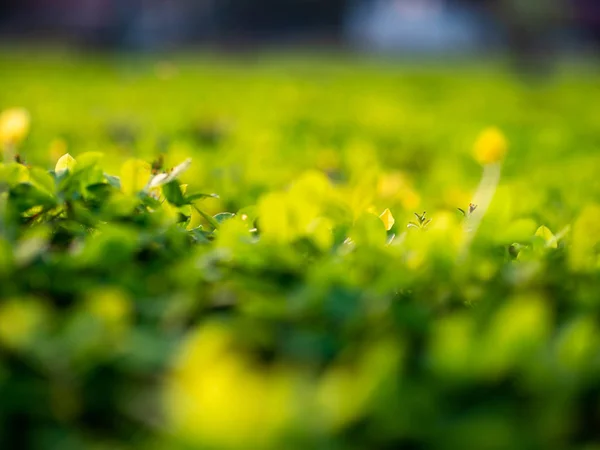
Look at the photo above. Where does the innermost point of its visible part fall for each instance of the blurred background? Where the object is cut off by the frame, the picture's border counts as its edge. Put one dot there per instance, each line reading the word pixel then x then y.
pixel 307 343
pixel 390 26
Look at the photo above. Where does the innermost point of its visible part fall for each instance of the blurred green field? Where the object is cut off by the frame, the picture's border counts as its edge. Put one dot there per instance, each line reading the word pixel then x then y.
pixel 253 125
pixel 133 317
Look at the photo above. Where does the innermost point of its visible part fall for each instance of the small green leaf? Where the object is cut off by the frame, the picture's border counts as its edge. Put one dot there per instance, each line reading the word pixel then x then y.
pixel 113 181
pixel 25 196
pixel 208 218
pixel 199 196
pixel 89 159
pixel 42 179
pixel 519 230
pixel 149 201
pixel 13 173
pixel 173 194
pixel 547 236
pixel 200 235
pixel 66 162
pixel 101 191
pixel 222 217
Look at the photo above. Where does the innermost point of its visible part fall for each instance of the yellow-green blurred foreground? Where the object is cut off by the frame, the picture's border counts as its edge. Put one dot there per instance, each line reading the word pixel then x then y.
pixel 267 252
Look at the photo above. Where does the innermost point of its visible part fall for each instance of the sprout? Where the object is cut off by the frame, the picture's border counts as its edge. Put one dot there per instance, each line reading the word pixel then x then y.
pixel 421 223
pixel 165 178
pixel 470 210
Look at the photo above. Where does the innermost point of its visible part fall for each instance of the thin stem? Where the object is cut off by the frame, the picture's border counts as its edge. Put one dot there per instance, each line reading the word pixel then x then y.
pixel 483 198
pixel 208 218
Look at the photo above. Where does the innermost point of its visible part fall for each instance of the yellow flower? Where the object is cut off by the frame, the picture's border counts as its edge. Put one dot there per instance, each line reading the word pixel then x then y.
pixel 14 126
pixel 490 147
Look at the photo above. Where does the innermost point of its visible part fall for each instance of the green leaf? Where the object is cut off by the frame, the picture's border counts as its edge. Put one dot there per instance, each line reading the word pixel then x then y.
pixel 82 214
pixel 199 196
pixel 65 163
pixel 519 230
pixel 208 218
pixel 42 179
pixel 200 235
pixel 88 159
pixel 86 176
pixel 547 236
pixel 25 196
pixel 101 191
pixel 222 217
pixel 149 201
pixel 13 173
pixel 113 181
pixel 173 194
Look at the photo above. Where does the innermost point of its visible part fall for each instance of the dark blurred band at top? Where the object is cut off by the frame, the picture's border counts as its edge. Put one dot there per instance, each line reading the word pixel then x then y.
pixel 415 26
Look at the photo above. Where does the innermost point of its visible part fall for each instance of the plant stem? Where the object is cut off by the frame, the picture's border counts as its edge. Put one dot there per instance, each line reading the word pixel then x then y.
pixel 483 198
pixel 208 218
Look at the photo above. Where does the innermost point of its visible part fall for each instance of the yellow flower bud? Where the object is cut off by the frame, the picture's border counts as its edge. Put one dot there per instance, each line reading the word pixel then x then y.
pixel 14 126
pixel 490 147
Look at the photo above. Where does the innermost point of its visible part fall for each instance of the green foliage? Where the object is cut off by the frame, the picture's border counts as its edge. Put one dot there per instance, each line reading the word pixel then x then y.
pixel 323 311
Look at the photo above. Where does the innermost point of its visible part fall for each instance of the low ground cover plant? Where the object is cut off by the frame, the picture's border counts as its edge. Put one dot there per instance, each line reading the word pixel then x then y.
pixel 143 308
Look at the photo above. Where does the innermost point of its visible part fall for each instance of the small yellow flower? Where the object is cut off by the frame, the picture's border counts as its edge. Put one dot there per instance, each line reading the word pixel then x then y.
pixel 14 126
pixel 490 147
